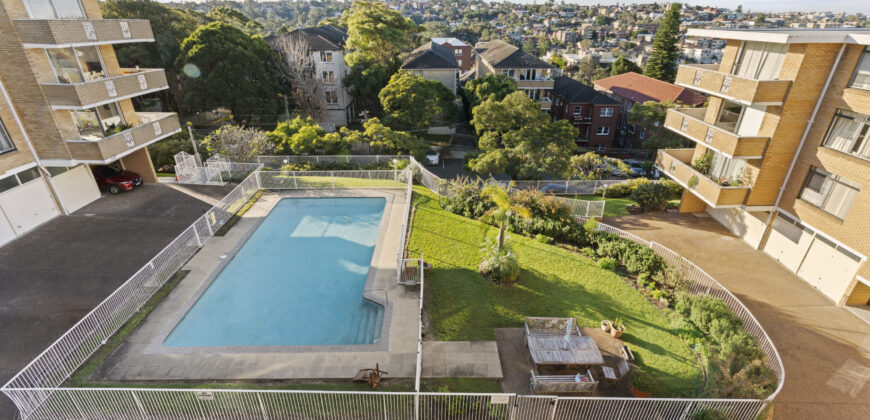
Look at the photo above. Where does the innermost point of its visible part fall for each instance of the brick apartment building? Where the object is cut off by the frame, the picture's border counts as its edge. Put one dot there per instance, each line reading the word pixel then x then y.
pixel 787 134
pixel 65 106
pixel 632 88
pixel 593 113
pixel 461 51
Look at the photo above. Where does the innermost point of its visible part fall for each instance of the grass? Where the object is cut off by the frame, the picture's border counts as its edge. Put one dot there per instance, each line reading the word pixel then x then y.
pixel 166 174
pixel 80 377
pixel 615 207
pixel 554 282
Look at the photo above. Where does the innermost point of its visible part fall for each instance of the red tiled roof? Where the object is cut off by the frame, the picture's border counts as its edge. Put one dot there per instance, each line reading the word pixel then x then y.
pixel 639 88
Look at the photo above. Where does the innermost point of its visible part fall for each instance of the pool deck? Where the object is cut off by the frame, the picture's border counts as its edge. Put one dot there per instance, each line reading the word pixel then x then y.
pixel 141 357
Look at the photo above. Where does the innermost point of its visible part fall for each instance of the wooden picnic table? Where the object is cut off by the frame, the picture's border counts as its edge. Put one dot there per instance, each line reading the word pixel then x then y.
pixel 550 349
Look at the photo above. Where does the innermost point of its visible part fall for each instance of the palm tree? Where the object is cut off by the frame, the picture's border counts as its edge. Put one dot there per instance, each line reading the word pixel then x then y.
pixel 504 209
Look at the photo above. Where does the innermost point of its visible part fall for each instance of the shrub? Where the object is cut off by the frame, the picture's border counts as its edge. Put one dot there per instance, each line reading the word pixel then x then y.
pixel 622 189
pixel 499 266
pixel 674 190
pixel 709 414
pixel 651 197
pixel 607 263
pixel 465 197
pixel 673 278
pixel 703 163
pixel 544 239
pixel 589 252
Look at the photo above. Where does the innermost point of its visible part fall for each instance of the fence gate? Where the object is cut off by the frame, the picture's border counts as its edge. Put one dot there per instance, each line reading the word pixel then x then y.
pixel 189 170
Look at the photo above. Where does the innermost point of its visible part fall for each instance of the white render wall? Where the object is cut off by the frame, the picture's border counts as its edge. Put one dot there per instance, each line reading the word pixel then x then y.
pixel 336 113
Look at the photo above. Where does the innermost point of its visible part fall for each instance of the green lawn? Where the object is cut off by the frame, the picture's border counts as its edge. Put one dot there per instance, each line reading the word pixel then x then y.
pixel 614 207
pixel 554 282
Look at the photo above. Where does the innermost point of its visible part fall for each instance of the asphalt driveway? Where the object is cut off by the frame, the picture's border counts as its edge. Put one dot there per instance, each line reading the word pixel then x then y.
pixel 54 275
pixel 825 348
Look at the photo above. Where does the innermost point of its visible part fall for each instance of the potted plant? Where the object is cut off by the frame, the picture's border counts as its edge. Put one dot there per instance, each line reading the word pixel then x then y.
pixel 617 328
pixel 642 384
pixel 605 325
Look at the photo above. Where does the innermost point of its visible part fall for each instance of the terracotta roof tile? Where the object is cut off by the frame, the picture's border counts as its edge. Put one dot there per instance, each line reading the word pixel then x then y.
pixel 639 88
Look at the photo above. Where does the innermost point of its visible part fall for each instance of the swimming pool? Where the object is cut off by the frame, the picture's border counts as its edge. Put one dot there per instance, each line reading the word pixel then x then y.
pixel 297 280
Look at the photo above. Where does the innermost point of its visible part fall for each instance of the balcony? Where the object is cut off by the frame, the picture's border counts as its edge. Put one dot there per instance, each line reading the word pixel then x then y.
pixel 708 79
pixel 57 33
pixel 153 126
pixel 689 122
pixel 675 164
pixel 134 82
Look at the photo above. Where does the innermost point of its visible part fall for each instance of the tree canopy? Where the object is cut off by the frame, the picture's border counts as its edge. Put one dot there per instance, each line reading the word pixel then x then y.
pixel 662 62
pixel 302 136
pixel 384 140
pixel 521 140
pixel 410 101
pixel 650 116
pixel 490 87
pixel 221 66
pixel 624 65
pixel 588 71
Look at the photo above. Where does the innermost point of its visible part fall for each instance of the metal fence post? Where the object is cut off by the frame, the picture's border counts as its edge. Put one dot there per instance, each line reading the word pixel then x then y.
pixel 332 175
pixel 196 234
pixel 139 404
pixel 555 405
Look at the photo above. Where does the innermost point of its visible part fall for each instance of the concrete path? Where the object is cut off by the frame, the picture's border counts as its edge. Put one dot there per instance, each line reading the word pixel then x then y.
pixel 54 275
pixel 825 348
pixel 461 359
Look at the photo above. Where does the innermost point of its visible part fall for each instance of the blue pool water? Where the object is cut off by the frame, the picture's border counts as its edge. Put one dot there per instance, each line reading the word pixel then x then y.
pixel 298 280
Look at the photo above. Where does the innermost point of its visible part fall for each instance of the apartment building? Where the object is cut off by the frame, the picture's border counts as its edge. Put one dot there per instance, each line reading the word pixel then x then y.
pixel 632 88
pixel 782 154
pixel 325 44
pixel 65 106
pixel 593 113
pixel 433 61
pixel 533 75
pixel 461 51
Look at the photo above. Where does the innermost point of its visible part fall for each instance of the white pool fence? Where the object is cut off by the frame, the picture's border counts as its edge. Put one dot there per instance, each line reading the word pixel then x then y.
pixel 38 393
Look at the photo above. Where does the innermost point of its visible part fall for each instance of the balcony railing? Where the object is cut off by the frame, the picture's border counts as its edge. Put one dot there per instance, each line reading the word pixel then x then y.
pixel 134 82
pixel 708 79
pixel 153 126
pixel 690 123
pixel 675 163
pixel 55 33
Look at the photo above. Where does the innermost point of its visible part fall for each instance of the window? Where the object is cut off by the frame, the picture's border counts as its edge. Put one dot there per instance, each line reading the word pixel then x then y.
pixel 849 133
pixel 511 72
pixel 729 116
pixel 606 112
pixel 642 133
pixel 602 131
pixel 861 78
pixel 76 65
pixel 457 51
pixel 829 192
pixel 96 123
pixel 54 9
pixel 28 175
pixel 760 60
pixel 326 56
pixel 578 110
pixel 331 97
pixel 56 170
pixel 723 167
pixel 6 144
pixel 630 128
pixel 329 76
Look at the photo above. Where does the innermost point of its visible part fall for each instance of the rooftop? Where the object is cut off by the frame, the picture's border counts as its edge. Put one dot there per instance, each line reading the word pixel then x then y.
pixel 576 92
pixel 639 88
pixel 452 41
pixel 326 37
pixel 430 55
pixel 789 36
pixel 500 54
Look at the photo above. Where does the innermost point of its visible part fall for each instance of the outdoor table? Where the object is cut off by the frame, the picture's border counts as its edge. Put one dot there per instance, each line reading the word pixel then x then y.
pixel 549 349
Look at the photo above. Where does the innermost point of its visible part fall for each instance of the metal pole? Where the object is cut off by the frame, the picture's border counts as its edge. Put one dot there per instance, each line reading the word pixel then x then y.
pixel 193 142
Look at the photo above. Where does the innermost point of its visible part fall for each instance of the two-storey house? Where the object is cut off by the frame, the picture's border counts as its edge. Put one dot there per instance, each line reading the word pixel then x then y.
pixel 533 75
pixel 593 113
pixel 461 51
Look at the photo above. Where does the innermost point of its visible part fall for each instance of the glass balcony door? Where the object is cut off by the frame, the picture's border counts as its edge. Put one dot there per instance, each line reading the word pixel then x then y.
pixel 760 60
pixel 76 65
pixel 96 123
pixel 55 9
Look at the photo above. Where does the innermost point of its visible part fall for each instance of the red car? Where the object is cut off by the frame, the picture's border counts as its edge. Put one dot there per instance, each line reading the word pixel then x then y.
pixel 116 180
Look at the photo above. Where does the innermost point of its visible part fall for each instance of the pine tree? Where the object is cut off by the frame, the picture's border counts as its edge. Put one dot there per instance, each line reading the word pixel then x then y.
pixel 662 63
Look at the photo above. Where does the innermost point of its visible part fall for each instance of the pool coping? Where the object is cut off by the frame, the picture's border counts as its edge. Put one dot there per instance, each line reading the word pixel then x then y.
pixel 157 347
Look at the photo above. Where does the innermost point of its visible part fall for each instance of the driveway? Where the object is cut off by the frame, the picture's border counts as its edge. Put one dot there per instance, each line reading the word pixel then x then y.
pixel 54 275
pixel 825 348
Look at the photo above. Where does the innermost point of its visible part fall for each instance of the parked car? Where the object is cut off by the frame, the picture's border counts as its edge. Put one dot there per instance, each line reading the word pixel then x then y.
pixel 114 180
pixel 433 157
pixel 637 169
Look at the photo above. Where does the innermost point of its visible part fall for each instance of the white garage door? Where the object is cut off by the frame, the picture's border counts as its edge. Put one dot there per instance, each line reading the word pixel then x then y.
pixel 788 243
pixel 76 188
pixel 28 206
pixel 829 269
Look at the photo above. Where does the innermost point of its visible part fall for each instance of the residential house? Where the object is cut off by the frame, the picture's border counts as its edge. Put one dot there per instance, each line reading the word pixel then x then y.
pixel 326 46
pixel 787 137
pixel 461 51
pixel 65 105
pixel 631 88
pixel 533 75
pixel 593 113
pixel 433 61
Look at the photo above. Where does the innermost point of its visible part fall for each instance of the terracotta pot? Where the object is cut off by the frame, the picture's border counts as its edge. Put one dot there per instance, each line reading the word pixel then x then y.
pixel 606 325
pixel 638 393
pixel 616 333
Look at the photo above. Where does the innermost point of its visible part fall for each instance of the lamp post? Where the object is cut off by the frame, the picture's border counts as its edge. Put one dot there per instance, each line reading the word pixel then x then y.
pixel 395 169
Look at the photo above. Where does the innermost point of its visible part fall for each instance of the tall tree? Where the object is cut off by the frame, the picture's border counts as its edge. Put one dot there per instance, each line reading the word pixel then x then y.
pixel 650 116
pixel 410 101
pixel 588 71
pixel 308 93
pixel 662 62
pixel 221 66
pixel 302 136
pixel 384 140
pixel 376 36
pixel 521 140
pixel 490 87
pixel 624 65
pixel 236 141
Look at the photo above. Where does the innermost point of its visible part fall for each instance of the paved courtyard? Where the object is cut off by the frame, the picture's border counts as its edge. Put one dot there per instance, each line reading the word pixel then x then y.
pixel 825 348
pixel 56 274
